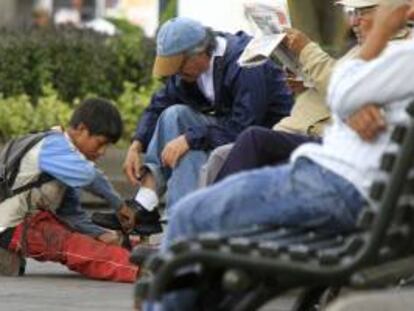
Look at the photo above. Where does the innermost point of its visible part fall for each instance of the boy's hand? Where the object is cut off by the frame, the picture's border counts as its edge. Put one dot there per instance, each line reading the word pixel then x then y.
pixel 126 217
pixel 296 40
pixel 132 162
pixel 368 122
pixel 174 150
pixel 109 237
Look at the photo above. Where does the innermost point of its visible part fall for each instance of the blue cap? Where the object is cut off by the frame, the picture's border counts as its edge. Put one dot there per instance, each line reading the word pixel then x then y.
pixel 175 37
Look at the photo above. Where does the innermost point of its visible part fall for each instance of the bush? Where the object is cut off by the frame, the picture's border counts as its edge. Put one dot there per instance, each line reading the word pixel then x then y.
pixel 132 103
pixel 74 62
pixel 19 116
pixel 45 73
pixel 135 54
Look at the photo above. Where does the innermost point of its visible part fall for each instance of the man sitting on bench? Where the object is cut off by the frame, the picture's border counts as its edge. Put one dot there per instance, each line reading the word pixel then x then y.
pixel 325 185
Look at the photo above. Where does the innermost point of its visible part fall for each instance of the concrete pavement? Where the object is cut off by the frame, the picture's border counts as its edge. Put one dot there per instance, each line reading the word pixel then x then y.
pixel 51 287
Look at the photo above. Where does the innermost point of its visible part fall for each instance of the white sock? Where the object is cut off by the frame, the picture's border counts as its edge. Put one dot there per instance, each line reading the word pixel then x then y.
pixel 147 198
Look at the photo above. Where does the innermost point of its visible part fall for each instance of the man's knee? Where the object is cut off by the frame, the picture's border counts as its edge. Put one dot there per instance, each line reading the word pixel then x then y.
pixel 175 113
pixel 253 135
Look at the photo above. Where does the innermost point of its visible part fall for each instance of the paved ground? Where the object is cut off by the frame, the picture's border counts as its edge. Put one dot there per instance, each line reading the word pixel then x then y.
pixel 51 287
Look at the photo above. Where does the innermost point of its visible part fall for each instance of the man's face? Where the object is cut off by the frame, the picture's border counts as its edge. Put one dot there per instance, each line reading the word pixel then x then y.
pixel 193 66
pixel 361 21
pixel 91 146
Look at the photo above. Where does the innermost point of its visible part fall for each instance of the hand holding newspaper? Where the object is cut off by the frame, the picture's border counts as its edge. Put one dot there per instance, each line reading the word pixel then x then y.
pixel 269 21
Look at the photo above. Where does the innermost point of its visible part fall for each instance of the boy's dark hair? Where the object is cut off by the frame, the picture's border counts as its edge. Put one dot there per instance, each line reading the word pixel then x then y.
pixel 100 117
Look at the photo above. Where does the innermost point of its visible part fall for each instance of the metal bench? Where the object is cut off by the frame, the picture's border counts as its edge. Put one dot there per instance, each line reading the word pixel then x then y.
pixel 243 270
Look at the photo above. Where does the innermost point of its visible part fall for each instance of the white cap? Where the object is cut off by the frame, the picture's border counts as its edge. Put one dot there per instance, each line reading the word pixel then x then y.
pixel 358 3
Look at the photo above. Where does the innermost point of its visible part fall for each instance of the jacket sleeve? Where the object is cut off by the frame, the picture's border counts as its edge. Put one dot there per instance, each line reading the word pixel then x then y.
pixel 62 161
pixel 101 187
pixel 381 81
pixel 249 90
pixel 317 66
pixel 161 100
pixel 73 214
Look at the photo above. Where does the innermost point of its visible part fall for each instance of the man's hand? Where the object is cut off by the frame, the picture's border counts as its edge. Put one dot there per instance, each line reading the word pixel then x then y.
pixel 296 40
pixel 392 16
pixel 126 217
pixel 132 162
pixel 174 150
pixel 389 18
pixel 109 237
pixel 296 85
pixel 368 122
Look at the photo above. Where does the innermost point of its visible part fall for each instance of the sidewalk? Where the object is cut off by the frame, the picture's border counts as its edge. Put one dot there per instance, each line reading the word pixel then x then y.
pixel 51 287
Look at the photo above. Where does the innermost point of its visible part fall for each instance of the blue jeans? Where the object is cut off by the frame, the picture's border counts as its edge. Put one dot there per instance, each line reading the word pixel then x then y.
pixel 298 194
pixel 183 179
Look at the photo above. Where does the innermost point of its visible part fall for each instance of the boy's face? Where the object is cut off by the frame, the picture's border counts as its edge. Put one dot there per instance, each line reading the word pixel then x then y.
pixel 91 146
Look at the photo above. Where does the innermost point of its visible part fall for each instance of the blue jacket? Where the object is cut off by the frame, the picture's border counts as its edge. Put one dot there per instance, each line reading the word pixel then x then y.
pixel 244 97
pixel 60 159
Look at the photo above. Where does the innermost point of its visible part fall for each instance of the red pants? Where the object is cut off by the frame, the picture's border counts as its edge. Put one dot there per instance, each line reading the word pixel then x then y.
pixel 48 239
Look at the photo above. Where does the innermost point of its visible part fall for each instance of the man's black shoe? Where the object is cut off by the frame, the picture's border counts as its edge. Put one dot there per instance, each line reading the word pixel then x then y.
pixel 106 220
pixel 142 216
pixel 147 222
pixel 110 221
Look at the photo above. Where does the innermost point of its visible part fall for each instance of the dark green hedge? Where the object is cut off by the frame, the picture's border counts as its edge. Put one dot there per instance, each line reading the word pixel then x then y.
pixel 76 63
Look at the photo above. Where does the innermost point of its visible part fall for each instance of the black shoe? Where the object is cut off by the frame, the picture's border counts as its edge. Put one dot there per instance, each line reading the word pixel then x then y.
pixel 140 253
pixel 110 221
pixel 106 220
pixel 147 222
pixel 143 216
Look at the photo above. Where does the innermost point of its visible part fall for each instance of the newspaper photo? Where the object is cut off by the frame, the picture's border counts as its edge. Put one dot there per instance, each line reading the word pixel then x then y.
pixel 268 22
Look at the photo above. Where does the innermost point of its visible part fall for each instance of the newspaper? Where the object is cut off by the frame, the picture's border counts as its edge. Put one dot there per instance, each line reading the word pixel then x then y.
pixel 268 21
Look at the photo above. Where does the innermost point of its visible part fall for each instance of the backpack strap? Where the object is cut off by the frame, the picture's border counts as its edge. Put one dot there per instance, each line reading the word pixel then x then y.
pixel 15 164
pixel 43 179
pixel 11 169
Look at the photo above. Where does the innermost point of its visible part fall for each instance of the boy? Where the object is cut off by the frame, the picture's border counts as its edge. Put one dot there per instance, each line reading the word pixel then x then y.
pixel 29 225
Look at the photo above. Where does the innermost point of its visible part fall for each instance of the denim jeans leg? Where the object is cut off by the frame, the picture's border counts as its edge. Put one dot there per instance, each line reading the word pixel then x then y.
pixel 173 122
pixel 184 177
pixel 299 194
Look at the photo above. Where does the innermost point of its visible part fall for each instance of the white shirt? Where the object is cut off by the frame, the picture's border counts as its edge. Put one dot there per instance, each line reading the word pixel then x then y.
pixel 68 16
pixel 387 81
pixel 205 81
